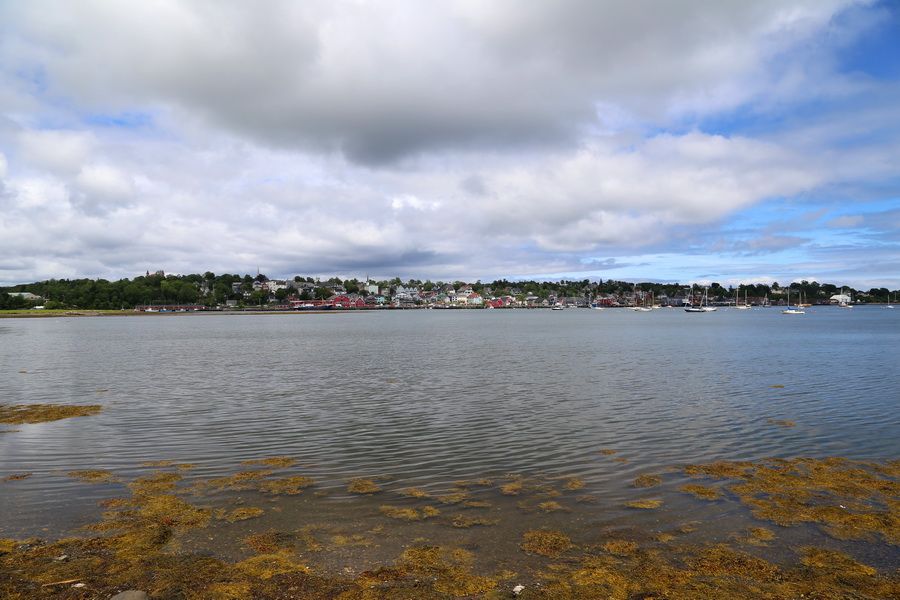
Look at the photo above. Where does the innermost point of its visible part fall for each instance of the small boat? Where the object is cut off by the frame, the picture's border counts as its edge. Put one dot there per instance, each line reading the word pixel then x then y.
pixel 745 305
pixel 844 303
pixel 791 310
pixel 641 307
pixel 704 306
pixel 557 307
pixel 705 302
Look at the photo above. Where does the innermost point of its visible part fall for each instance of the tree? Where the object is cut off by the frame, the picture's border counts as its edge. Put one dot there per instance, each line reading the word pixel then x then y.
pixel 259 297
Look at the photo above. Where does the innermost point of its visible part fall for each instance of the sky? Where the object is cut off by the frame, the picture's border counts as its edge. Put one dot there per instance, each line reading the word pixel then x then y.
pixel 715 140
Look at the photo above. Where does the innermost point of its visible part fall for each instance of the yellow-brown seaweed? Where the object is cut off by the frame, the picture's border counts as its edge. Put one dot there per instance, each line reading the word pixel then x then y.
pixel 647 480
pixel 363 486
pixel 645 503
pixel 94 476
pixel 546 543
pixel 20 414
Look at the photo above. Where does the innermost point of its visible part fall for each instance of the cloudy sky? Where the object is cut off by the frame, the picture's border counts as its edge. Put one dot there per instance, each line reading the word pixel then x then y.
pixel 709 140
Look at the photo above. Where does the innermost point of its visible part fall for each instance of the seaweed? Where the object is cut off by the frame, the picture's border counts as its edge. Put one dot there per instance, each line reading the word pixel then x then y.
pixel 513 488
pixel 848 499
pixel 645 503
pixel 415 493
pixel 363 486
pixel 837 562
pixel 759 536
pixel 470 483
pixel 20 414
pixel 620 547
pixel 242 480
pixel 279 462
pixel 93 476
pixel 290 486
pixel 454 498
pixel 700 491
pixel 573 484
pixel 550 506
pixel 243 513
pixel 647 480
pixel 449 569
pixel 157 482
pixel 545 542
pixel 268 542
pixel 266 566
pixel 17 477
pixel 465 522
pixel 408 514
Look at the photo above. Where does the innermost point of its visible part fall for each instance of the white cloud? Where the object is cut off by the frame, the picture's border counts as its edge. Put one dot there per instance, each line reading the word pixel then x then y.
pixel 58 151
pixel 470 138
pixel 101 187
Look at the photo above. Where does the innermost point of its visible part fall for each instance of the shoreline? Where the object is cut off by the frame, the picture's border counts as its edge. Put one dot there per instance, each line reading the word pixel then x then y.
pixel 79 313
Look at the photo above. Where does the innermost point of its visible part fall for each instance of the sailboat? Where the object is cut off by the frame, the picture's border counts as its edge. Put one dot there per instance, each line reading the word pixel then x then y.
pixel 843 303
pixel 704 307
pixel 889 303
pixel 745 305
pixel 642 307
pixel 790 310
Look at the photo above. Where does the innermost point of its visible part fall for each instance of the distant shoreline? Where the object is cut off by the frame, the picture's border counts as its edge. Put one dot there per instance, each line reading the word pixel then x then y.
pixel 48 314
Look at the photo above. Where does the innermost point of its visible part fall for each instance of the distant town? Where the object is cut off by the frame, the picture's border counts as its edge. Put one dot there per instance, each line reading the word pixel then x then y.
pixel 162 292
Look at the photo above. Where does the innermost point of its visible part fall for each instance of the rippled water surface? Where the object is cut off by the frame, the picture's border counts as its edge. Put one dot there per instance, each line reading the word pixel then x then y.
pixel 428 397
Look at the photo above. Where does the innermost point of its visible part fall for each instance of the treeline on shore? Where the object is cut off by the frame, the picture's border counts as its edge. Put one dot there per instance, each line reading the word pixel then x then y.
pixel 211 290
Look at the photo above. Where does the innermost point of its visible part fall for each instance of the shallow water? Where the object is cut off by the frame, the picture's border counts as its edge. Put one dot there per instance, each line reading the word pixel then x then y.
pixel 430 397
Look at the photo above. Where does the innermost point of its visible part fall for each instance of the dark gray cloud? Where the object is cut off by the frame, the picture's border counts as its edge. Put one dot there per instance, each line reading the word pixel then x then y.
pixel 384 81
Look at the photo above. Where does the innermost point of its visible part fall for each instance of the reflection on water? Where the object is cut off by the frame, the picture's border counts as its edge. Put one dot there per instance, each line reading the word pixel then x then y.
pixel 429 397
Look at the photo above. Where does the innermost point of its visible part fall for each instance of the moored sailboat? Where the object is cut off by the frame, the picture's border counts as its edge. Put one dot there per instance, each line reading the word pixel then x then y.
pixel 791 310
pixel 704 303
